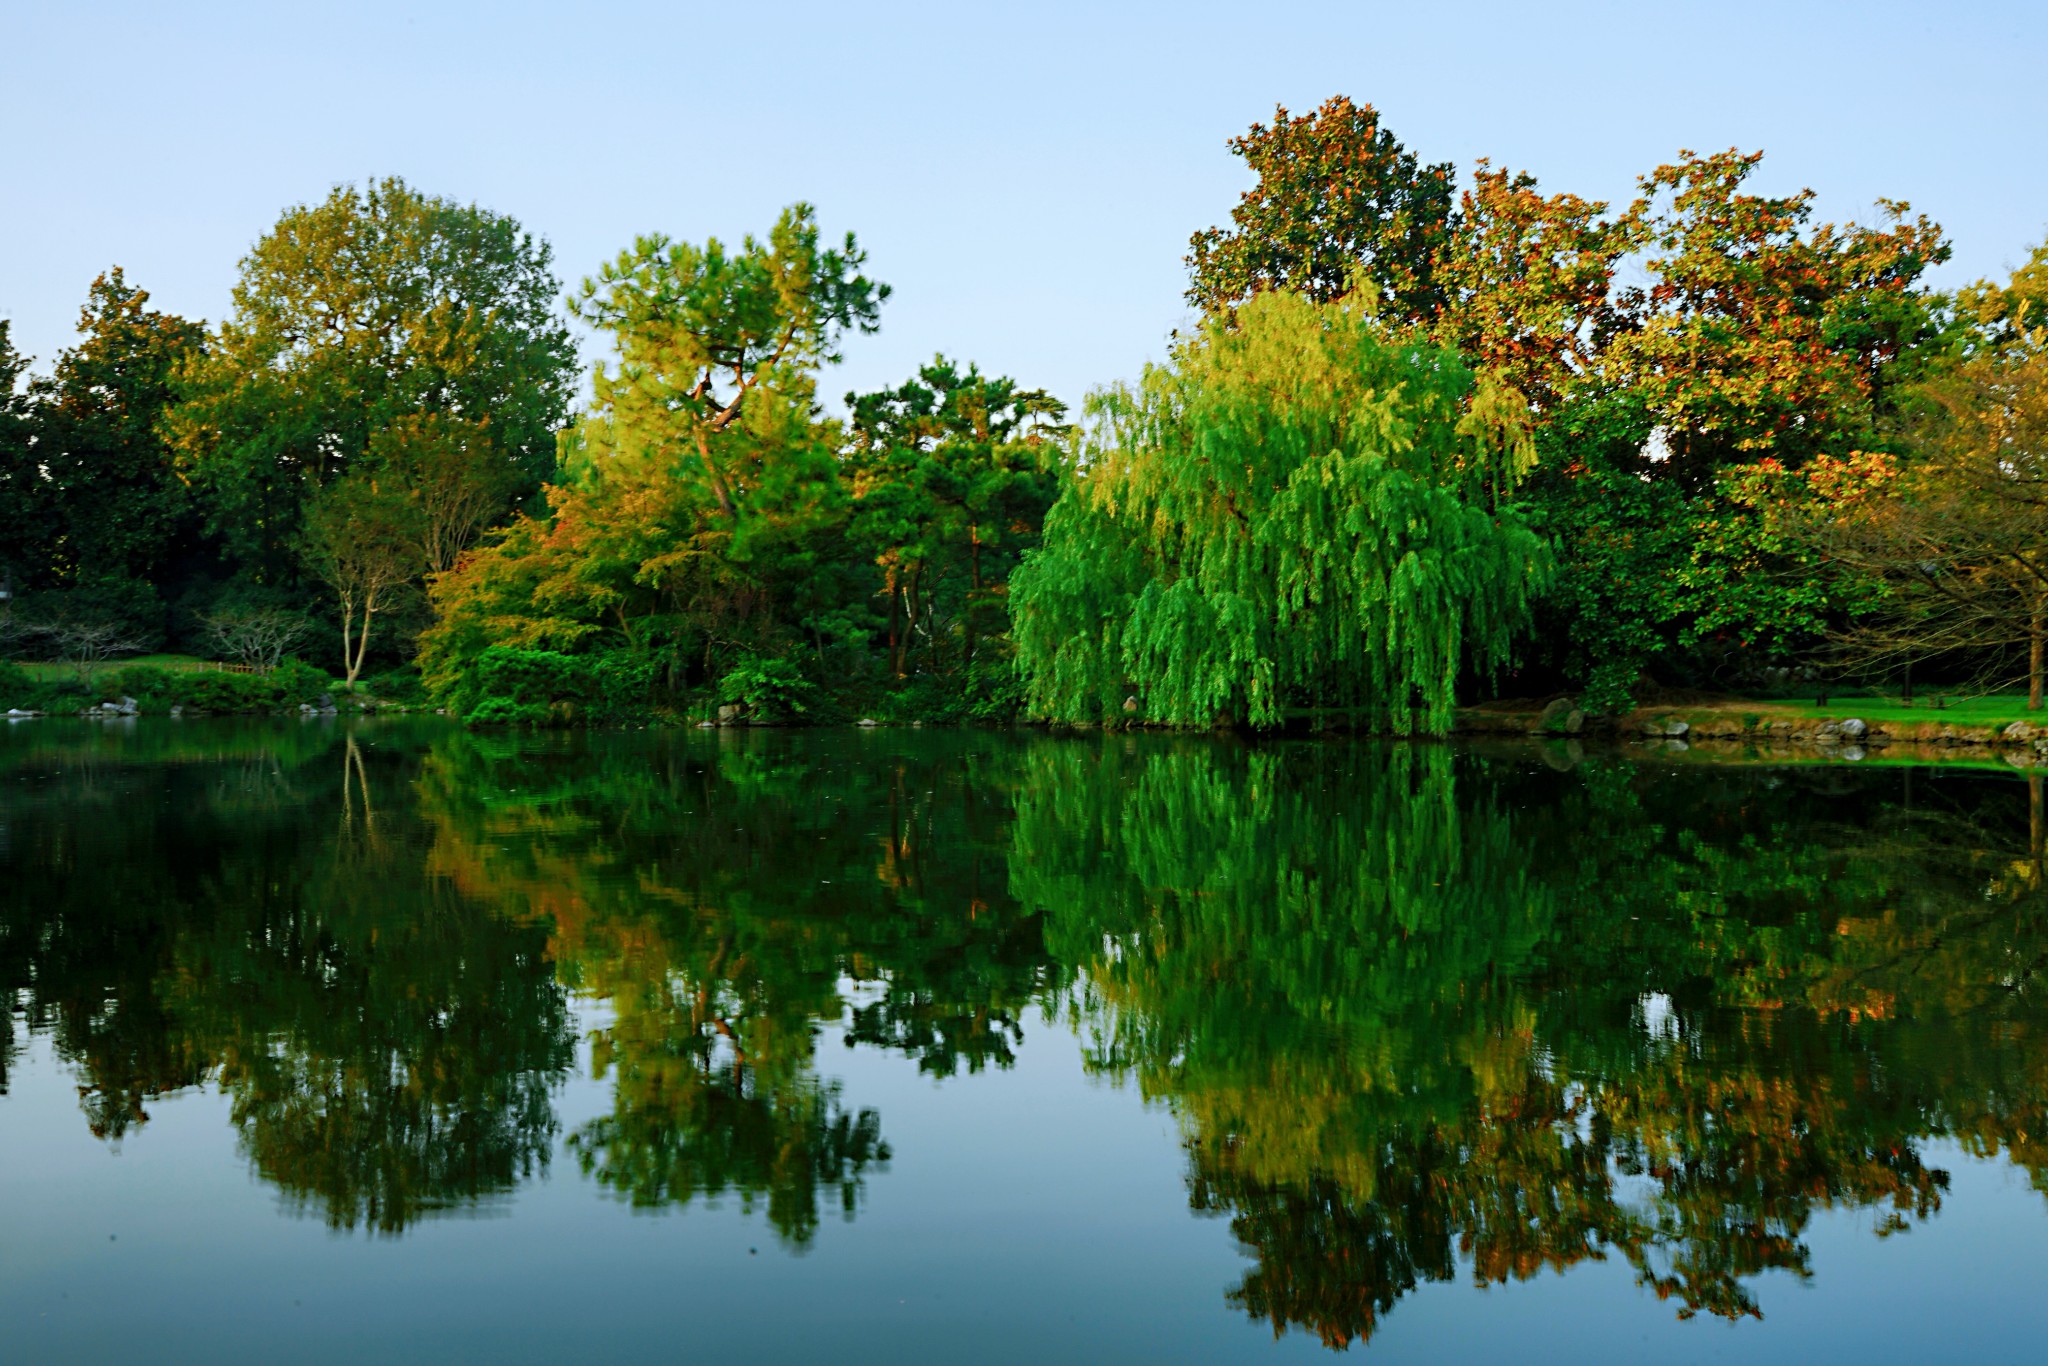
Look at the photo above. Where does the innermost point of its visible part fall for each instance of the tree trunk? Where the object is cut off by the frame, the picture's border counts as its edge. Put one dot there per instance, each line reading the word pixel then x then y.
pixel 348 621
pixel 2034 830
pixel 895 654
pixel 2035 641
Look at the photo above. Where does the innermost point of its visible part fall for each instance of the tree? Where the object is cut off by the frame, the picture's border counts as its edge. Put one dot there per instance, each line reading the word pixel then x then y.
pixel 1527 281
pixel 455 476
pixel 257 636
pixel 370 307
pixel 1336 196
pixel 700 330
pixel 1957 538
pixel 362 540
pixel 117 507
pixel 1295 511
pixel 952 475
pixel 22 488
pixel 1755 334
pixel 700 518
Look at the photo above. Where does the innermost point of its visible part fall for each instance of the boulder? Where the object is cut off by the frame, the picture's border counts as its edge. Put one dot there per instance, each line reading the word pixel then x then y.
pixel 868 722
pixel 1552 717
pixel 2018 730
pixel 1676 729
pixel 729 714
pixel 1574 722
pixel 1131 705
pixel 1854 729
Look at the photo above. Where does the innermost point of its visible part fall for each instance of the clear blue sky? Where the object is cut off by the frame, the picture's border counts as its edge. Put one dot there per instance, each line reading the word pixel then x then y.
pixel 1026 177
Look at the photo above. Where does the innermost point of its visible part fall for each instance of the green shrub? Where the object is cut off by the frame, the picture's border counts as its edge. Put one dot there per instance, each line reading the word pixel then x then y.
pixel 402 687
pixel 214 690
pixel 541 687
pixel 772 690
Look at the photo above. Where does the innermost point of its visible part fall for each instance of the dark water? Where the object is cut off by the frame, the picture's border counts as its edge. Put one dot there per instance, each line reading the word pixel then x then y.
pixel 404 1043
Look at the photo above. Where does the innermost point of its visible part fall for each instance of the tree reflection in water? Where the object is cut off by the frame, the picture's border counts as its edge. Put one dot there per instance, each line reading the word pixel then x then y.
pixel 1423 1013
pixel 1420 1012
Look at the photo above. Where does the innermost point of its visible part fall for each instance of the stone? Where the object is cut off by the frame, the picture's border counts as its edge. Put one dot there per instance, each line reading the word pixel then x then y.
pixel 178 710
pixel 1676 746
pixel 1131 705
pixel 1852 753
pixel 1676 729
pixel 1552 717
pixel 1574 722
pixel 728 714
pixel 868 722
pixel 707 725
pixel 1854 728
pixel 2018 730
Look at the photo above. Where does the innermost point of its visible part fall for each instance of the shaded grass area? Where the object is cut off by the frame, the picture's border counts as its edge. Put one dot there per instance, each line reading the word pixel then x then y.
pixel 55 670
pixel 1995 709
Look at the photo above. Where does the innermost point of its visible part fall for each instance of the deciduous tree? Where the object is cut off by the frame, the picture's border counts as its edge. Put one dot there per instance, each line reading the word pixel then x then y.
pixel 1298 510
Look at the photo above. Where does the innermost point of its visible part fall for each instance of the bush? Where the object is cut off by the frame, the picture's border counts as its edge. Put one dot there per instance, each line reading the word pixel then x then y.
pixel 401 687
pixel 212 690
pixel 541 687
pixel 772 690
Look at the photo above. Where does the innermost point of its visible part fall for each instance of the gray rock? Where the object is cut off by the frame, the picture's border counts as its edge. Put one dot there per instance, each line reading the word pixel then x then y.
pixel 728 714
pixel 1553 716
pixel 1854 729
pixel 178 710
pixel 2018 730
pixel 1574 722
pixel 1676 729
pixel 707 725
pixel 867 721
pixel 326 702
pixel 1852 753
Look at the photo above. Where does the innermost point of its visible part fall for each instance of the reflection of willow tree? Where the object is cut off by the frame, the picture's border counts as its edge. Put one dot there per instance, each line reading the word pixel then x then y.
pixel 389 1048
pixel 1403 1017
pixel 726 896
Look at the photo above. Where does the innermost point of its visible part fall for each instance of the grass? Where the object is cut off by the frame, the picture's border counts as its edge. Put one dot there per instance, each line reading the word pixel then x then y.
pixel 56 670
pixel 1995 709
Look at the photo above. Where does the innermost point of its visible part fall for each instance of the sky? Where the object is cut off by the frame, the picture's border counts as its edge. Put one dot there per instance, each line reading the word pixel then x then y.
pixel 1025 177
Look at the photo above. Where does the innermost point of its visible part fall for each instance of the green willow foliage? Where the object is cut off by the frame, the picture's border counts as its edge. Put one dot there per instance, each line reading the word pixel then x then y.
pixel 1301 509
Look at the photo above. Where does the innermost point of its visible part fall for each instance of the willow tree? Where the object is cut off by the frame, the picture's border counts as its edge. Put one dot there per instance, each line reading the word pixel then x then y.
pixel 1299 509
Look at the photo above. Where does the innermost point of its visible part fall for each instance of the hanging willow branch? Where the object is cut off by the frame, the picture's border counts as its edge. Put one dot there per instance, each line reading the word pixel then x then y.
pixel 1298 510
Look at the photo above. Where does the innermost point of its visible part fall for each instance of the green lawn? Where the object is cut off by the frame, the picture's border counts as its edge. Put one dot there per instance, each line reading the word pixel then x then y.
pixel 47 670
pixel 1996 709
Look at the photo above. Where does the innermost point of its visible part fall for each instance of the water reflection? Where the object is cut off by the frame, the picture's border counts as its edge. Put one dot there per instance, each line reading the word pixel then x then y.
pixel 1423 1014
pixel 1417 1020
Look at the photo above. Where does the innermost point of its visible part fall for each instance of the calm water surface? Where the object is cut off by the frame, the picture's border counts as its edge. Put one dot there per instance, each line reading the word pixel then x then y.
pixel 393 1042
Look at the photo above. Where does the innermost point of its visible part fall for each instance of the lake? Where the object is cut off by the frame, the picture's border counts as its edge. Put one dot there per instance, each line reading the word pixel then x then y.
pixel 335 1041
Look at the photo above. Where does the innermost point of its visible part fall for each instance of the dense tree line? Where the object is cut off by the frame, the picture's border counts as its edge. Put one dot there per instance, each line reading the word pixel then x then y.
pixel 1426 440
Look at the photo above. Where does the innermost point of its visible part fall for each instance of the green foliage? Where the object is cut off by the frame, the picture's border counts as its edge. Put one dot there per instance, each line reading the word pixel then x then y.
pixel 1337 196
pixel 509 686
pixel 110 500
pixel 772 690
pixel 370 307
pixel 213 690
pixel 1298 511
pixel 952 475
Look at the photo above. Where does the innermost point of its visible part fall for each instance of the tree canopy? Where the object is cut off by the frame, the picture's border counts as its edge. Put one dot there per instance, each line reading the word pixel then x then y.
pixel 1298 510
